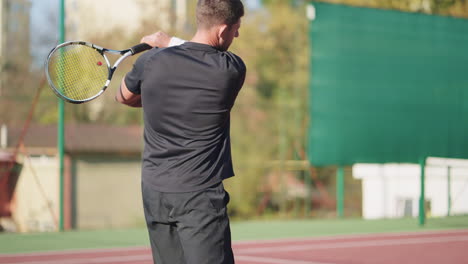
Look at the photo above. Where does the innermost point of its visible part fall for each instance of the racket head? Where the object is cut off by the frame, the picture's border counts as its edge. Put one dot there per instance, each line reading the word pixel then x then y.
pixel 78 71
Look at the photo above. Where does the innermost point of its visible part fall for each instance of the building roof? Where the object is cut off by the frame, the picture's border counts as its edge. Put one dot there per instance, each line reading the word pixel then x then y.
pixel 82 138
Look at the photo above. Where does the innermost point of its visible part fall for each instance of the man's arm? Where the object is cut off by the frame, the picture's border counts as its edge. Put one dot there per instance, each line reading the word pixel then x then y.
pixel 159 39
pixel 126 97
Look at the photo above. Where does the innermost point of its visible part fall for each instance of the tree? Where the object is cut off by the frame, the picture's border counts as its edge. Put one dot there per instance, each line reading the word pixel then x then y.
pixel 268 118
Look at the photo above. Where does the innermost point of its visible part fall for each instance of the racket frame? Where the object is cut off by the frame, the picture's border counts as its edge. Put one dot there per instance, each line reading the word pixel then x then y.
pixel 123 55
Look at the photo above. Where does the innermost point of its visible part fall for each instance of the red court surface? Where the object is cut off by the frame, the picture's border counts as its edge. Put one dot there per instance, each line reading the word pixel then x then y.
pixel 432 247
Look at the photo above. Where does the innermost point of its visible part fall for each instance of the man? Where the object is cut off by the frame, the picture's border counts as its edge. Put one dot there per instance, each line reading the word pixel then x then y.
pixel 187 92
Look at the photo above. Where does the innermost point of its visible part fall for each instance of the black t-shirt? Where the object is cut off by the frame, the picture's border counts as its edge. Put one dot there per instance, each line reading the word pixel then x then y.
pixel 187 94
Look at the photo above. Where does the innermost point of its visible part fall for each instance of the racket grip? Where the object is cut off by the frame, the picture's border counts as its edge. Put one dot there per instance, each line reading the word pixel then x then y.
pixel 140 48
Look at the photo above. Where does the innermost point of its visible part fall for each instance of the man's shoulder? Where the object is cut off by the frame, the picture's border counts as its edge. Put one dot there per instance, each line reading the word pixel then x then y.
pixel 155 52
pixel 161 53
pixel 236 61
pixel 154 55
pixel 143 58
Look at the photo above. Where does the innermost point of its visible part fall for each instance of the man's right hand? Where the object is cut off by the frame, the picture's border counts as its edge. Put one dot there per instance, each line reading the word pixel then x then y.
pixel 159 39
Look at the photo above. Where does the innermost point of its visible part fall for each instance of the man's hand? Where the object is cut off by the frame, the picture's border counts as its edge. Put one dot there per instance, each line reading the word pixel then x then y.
pixel 159 39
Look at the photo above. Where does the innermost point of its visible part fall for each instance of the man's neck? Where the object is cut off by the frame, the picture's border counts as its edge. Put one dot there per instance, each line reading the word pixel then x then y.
pixel 207 37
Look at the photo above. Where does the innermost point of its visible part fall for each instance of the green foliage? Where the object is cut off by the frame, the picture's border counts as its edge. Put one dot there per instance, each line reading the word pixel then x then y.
pixel 268 118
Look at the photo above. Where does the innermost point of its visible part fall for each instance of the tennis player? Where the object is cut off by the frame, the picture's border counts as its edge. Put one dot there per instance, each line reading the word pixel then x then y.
pixel 187 92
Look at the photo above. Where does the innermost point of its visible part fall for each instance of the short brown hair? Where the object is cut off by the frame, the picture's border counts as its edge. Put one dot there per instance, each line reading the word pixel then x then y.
pixel 215 12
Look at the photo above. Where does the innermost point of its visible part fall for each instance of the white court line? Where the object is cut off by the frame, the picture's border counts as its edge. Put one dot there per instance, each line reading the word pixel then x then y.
pixel 240 254
pixel 149 258
pixel 91 260
pixel 276 260
pixel 352 244
pixel 248 242
pixel 351 236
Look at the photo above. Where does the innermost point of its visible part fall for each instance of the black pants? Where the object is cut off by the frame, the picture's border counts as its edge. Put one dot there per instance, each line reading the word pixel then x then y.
pixel 189 228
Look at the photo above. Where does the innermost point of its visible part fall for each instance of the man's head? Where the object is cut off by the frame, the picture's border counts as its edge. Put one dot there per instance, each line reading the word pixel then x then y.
pixel 222 17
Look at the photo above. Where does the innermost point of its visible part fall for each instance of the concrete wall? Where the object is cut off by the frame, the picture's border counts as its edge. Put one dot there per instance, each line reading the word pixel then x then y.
pixel 393 190
pixel 36 202
pixel 107 192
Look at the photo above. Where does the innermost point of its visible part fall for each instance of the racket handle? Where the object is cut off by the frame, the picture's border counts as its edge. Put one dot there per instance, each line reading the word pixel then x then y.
pixel 140 48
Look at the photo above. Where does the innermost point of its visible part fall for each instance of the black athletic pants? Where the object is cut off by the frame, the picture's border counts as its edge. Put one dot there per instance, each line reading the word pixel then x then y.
pixel 188 228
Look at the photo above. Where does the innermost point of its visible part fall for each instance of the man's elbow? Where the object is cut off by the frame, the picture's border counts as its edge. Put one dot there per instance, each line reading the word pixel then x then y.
pixel 134 102
pixel 119 99
pixel 127 98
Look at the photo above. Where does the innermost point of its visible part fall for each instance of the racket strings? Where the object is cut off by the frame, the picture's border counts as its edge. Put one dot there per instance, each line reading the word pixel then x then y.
pixel 78 72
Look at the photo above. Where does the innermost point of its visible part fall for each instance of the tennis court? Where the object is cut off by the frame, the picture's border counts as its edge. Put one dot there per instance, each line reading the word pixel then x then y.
pixel 410 247
pixel 441 240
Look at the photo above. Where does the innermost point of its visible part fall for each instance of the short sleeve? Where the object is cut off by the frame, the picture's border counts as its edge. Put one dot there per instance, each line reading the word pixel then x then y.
pixel 243 72
pixel 238 73
pixel 134 77
pixel 241 69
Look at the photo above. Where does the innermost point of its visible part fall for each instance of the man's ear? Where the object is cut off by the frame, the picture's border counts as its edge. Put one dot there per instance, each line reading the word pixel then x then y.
pixel 222 31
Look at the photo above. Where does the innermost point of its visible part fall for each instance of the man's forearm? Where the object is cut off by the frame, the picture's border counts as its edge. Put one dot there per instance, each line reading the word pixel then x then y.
pixel 124 96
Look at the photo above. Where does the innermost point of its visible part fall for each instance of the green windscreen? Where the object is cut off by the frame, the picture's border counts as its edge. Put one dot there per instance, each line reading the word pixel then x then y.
pixel 386 86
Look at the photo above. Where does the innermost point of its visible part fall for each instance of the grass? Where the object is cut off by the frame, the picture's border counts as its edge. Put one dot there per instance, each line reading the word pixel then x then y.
pixel 249 230
pixel 311 228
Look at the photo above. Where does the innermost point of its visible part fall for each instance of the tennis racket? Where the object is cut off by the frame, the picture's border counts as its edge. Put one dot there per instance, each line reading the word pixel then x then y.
pixel 79 71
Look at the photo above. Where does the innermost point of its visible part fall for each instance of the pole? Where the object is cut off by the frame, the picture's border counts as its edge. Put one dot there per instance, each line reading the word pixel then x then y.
pixel 308 200
pixel 60 125
pixel 449 190
pixel 340 192
pixel 282 157
pixel 308 181
pixel 422 209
